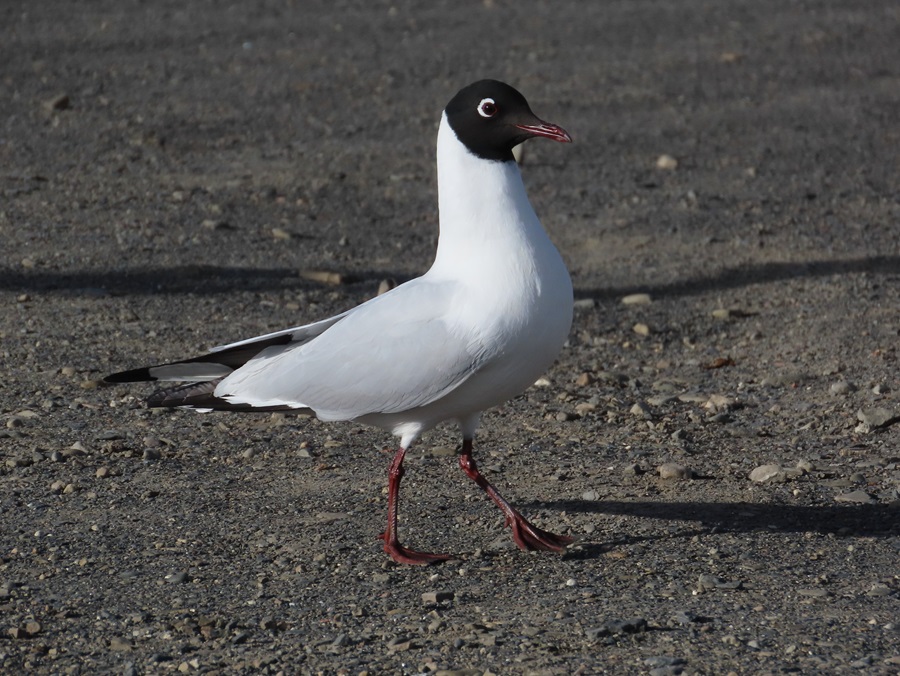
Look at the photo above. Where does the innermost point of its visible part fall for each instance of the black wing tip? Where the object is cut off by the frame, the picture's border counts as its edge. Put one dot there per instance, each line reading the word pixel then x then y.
pixel 202 395
pixel 132 376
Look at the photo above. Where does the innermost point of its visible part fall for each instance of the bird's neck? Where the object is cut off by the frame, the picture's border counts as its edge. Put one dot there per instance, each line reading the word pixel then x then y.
pixel 484 210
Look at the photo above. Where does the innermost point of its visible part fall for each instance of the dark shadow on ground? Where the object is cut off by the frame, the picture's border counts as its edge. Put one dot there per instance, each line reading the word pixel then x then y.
pixel 870 520
pixel 212 279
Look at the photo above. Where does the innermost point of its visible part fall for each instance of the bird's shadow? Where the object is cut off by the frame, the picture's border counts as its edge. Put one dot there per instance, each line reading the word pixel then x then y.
pixel 215 279
pixel 865 520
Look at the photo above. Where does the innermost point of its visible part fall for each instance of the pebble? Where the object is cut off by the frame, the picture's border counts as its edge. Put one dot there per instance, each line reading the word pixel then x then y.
pixel 641 329
pixel 879 589
pixel 58 102
pixel 765 473
pixel 102 472
pixel 874 418
pixel 841 387
pixel 719 403
pixel 666 162
pixel 640 410
pixel 707 582
pixel 672 470
pixel 584 380
pixel 151 454
pixel 721 313
pixel 663 665
pixel 119 645
pixel 281 233
pixel 637 299
pixel 590 495
pixel 323 277
pixel 611 627
pixel 432 598
pixel 855 497
pixel 177 578
pixel 386 285
pixel 805 465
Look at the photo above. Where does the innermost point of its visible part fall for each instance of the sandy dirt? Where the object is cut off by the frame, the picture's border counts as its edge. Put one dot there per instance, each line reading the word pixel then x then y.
pixel 171 174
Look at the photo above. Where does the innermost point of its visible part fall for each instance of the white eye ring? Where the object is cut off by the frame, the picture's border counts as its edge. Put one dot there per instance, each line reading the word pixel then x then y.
pixel 487 108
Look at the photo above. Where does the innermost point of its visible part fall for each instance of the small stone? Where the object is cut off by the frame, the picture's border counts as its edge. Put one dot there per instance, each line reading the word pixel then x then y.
pixel 841 387
pixel 672 470
pixel 67 371
pixel 666 162
pixel 805 465
pixel 686 617
pixel 386 285
pixel 874 418
pixel 765 473
pixel 323 277
pixel 879 589
pixel 584 380
pixel 590 495
pixel 102 472
pixel 151 454
pixel 719 403
pixel 399 644
pixel 637 299
pixel 721 313
pixel 433 598
pixel 640 410
pixel 856 497
pixel 69 489
pixel 641 329
pixel 341 641
pixel 13 423
pixel 281 233
pixel 58 102
pixel 119 645
pixel 177 578
pixel 75 450
pixel 32 628
pixel 57 486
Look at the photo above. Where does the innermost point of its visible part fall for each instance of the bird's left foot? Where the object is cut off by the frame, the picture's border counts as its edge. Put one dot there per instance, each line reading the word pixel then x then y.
pixel 527 536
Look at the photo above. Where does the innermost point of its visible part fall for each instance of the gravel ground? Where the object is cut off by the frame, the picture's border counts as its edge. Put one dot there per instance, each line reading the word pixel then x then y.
pixel 720 435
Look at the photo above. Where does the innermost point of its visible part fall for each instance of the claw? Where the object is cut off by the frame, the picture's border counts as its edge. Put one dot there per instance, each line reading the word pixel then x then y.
pixel 402 554
pixel 527 536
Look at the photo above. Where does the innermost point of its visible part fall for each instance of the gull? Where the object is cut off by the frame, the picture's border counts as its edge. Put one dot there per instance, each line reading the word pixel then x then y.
pixel 487 319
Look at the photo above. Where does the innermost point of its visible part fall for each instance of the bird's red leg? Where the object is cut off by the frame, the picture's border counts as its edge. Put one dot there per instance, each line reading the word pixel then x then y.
pixel 392 545
pixel 526 535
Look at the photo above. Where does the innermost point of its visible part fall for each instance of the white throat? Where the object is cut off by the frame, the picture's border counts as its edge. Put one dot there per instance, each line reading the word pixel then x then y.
pixel 484 210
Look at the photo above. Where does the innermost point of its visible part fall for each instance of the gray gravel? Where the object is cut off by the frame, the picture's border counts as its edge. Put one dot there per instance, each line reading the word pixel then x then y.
pixel 177 176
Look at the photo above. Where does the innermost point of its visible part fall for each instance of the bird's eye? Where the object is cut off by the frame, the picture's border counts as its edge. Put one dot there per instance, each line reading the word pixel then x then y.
pixel 487 108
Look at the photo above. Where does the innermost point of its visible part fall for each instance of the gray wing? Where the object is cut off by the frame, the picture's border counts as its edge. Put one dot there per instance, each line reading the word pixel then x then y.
pixel 394 353
pixel 223 360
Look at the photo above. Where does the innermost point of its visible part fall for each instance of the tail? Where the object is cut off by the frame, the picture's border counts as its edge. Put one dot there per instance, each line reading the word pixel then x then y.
pixel 201 396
